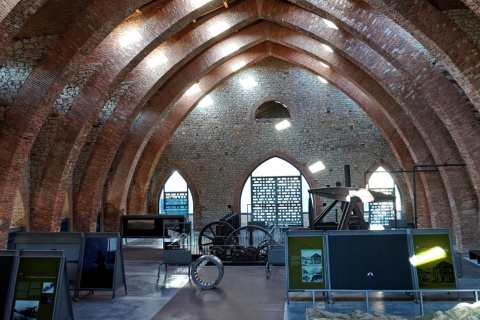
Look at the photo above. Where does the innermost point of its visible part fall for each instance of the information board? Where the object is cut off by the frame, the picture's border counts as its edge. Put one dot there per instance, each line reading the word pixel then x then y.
pixel 305 260
pixel 369 260
pixel 68 242
pixel 102 262
pixel 41 289
pixel 433 258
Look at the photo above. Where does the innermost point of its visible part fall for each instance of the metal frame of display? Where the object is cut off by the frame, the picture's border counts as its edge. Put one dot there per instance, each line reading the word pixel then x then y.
pixel 304 277
pixel 70 243
pixel 440 237
pixel 58 288
pixel 94 275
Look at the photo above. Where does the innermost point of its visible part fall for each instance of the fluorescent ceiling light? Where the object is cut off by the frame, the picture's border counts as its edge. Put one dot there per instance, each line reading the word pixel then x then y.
pixel 324 65
pixel 248 82
pixel 218 28
pixel 330 24
pixel 205 102
pixel 193 89
pixel 129 37
pixel 230 48
pixel 318 166
pixel 282 125
pixel 237 66
pixel 327 48
pixel 322 79
pixel 199 3
pixel 157 59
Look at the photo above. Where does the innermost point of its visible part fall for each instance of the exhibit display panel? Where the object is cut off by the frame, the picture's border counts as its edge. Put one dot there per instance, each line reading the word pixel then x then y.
pixel 369 260
pixel 433 259
pixel 7 259
pixel 68 242
pixel 102 262
pixel 305 260
pixel 41 288
pixel 150 225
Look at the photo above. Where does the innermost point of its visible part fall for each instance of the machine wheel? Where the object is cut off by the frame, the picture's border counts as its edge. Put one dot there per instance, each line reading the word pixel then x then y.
pixel 248 236
pixel 214 234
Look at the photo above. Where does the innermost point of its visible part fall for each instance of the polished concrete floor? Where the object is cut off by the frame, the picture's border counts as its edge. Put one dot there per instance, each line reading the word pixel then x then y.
pixel 243 293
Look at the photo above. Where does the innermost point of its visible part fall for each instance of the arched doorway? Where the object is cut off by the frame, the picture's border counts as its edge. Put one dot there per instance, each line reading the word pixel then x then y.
pixel 176 198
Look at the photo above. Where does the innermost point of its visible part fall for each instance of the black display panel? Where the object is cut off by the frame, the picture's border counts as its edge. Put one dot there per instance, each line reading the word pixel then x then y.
pixel 6 267
pixel 98 267
pixel 151 225
pixel 369 261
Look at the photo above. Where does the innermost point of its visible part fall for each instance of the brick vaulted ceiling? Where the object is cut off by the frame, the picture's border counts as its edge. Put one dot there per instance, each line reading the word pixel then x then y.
pixel 407 63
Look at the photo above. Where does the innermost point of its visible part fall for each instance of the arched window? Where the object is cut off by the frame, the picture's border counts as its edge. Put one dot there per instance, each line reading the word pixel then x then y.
pixel 176 197
pixel 276 193
pixel 272 110
pixel 383 213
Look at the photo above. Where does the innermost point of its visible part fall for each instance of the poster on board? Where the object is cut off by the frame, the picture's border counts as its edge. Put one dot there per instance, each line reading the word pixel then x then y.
pixel 305 260
pixel 98 265
pixel 36 288
pixel 433 259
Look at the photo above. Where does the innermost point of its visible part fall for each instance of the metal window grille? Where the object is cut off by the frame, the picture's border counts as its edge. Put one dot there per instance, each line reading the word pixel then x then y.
pixel 381 212
pixel 277 200
pixel 176 203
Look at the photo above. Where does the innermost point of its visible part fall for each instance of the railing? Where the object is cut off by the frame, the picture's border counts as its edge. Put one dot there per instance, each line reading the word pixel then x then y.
pixel 415 293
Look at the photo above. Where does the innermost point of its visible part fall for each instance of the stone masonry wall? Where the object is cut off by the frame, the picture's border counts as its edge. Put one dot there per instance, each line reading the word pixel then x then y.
pixel 216 144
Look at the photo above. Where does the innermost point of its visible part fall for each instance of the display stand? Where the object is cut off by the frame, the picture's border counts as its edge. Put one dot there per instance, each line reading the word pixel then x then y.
pixel 369 260
pixel 69 242
pixel 305 261
pixel 102 266
pixel 438 270
pixel 7 260
pixel 40 287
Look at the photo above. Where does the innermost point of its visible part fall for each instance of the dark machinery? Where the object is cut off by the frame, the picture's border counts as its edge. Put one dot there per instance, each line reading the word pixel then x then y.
pixel 352 216
pixel 244 244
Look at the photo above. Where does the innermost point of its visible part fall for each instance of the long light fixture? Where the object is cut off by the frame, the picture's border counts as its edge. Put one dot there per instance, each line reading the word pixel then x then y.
pixel 248 82
pixel 193 89
pixel 330 24
pixel 282 125
pixel 218 28
pixel 129 37
pixel 205 102
pixel 236 66
pixel 317 166
pixel 157 59
pixel 199 3
pixel 232 47
pixel 324 65
pixel 322 79
pixel 327 48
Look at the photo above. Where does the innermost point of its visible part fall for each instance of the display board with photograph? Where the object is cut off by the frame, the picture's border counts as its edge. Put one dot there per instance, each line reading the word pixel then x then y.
pixel 41 288
pixel 369 260
pixel 305 260
pixel 7 259
pixel 149 225
pixel 102 262
pixel 433 258
pixel 68 242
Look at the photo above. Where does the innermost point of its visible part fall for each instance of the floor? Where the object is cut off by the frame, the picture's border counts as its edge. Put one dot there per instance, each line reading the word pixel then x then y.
pixel 243 293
